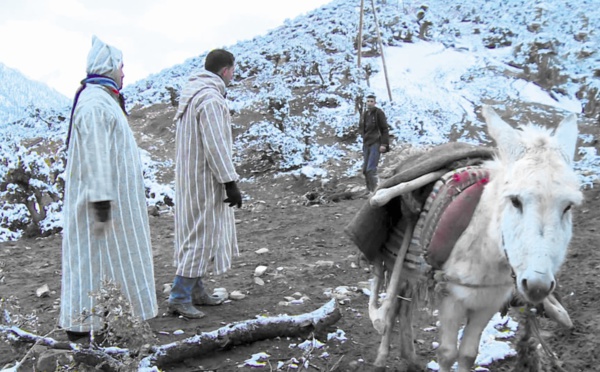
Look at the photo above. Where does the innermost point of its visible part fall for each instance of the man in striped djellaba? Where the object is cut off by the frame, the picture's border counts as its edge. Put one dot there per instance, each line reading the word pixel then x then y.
pixel 106 234
pixel 205 185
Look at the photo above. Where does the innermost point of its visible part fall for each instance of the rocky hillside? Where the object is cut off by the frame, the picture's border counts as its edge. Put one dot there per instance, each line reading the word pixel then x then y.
pixel 21 97
pixel 298 90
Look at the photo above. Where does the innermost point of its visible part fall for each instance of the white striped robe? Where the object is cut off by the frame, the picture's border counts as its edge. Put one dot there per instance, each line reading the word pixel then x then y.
pixel 204 224
pixel 104 164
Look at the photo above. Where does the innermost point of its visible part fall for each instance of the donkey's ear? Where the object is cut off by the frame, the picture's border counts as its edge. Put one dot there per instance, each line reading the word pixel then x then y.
pixel 506 136
pixel 566 135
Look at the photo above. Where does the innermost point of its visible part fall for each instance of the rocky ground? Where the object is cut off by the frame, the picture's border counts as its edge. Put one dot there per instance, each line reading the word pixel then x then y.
pixel 308 256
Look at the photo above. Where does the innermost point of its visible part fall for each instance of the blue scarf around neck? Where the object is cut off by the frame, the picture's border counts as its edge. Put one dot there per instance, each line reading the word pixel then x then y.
pixel 99 80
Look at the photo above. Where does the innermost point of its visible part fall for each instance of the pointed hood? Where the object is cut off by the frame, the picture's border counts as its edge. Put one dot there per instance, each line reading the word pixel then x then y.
pixel 203 80
pixel 104 60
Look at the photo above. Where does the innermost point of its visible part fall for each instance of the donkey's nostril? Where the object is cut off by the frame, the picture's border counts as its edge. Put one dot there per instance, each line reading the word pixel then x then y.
pixel 536 290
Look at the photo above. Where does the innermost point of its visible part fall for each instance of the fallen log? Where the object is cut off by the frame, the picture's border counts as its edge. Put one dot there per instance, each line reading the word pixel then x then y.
pixel 245 332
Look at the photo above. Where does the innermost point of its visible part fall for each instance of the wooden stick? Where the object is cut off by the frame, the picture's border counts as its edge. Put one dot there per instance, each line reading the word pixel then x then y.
pixel 383 196
pixel 394 283
pixel 360 30
pixel 387 81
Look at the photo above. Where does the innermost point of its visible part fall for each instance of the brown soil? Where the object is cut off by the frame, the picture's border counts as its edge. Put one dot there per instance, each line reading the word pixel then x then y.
pixel 298 236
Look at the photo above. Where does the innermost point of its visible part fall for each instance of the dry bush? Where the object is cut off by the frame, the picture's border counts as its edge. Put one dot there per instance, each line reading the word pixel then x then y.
pixel 120 327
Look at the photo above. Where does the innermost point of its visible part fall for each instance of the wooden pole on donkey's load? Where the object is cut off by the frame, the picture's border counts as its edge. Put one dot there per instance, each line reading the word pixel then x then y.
pixel 360 29
pixel 387 81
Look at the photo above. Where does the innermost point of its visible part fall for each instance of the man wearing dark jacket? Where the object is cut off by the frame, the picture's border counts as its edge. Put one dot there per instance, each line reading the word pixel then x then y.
pixel 374 130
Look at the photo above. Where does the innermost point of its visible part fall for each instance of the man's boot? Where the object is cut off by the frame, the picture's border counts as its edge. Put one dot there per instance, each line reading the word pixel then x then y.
pixel 186 310
pixel 368 183
pixel 374 182
pixel 371 179
pixel 180 299
pixel 201 297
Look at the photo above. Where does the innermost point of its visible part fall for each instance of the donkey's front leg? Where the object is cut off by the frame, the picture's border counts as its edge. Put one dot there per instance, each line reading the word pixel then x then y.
pixel 469 345
pixel 451 314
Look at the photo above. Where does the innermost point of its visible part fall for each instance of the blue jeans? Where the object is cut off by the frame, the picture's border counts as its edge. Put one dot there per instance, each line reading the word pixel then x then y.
pixel 181 292
pixel 371 156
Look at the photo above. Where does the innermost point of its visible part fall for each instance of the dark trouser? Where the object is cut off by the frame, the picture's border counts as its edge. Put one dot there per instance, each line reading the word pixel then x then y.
pixel 370 160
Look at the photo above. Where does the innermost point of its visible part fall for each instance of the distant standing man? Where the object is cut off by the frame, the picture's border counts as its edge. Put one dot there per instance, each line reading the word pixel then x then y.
pixel 106 233
pixel 205 185
pixel 374 130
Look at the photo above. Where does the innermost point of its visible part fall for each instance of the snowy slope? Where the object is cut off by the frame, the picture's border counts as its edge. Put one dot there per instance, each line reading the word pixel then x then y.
pixel 20 96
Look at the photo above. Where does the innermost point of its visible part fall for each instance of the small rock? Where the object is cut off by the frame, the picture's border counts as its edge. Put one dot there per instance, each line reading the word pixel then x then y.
pixel 260 270
pixel 237 295
pixel 43 291
pixel 259 281
pixel 262 250
pixel 259 207
pixel 178 332
pixel 167 288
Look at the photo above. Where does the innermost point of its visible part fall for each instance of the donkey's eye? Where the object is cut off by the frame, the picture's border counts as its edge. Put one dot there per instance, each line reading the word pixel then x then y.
pixel 568 208
pixel 516 203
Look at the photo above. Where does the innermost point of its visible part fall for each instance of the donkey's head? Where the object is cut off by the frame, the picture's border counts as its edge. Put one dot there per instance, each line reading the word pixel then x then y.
pixel 537 188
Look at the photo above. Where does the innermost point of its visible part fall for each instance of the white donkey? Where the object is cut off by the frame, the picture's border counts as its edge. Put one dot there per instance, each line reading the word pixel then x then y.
pixel 515 242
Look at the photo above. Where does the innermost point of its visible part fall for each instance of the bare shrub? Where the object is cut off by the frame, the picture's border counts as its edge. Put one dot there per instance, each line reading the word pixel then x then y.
pixel 120 327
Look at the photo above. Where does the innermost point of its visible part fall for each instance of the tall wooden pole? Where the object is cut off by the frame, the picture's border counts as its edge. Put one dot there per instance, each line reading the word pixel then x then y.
pixel 387 81
pixel 360 29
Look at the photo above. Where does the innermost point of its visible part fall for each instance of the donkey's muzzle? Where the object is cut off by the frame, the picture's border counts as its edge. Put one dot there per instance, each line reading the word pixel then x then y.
pixel 537 289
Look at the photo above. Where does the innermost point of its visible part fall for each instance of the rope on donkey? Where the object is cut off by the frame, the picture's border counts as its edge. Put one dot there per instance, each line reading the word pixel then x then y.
pixel 529 359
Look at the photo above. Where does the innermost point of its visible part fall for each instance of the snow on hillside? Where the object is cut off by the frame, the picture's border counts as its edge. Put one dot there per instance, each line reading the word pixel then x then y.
pixel 20 96
pixel 470 53
pixel 444 60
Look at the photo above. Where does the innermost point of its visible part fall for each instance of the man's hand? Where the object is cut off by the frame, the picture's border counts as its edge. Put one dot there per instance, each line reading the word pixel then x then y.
pixel 383 149
pixel 102 211
pixel 234 196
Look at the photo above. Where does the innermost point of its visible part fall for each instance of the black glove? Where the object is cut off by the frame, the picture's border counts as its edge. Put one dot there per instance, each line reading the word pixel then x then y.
pixel 102 210
pixel 234 196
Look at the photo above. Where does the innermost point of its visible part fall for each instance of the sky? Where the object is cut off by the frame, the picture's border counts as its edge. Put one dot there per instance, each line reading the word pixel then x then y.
pixel 48 41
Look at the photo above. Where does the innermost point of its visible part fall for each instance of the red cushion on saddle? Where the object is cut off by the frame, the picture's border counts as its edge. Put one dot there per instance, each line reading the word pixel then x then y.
pixel 452 223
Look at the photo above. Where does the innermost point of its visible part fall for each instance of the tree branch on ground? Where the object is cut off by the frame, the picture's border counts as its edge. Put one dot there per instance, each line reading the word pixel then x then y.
pixel 224 338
